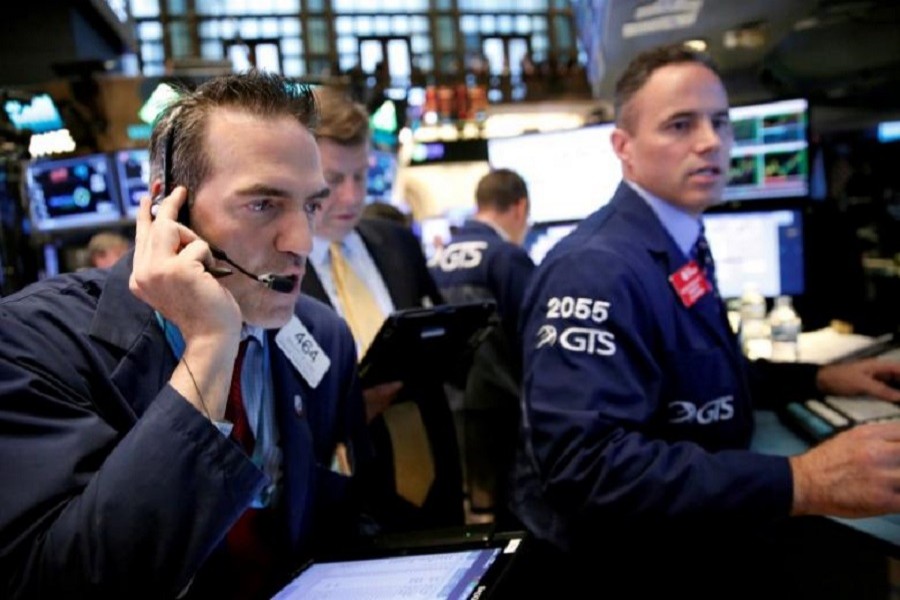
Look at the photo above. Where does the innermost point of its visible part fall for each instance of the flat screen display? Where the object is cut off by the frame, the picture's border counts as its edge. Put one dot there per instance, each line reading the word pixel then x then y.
pixel 72 193
pixel 569 174
pixel 40 115
pixel 542 237
pixel 440 576
pixel 133 174
pixel 770 156
pixel 762 248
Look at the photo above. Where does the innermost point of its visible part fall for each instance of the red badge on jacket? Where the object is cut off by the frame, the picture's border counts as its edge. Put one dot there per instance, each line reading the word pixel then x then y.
pixel 690 283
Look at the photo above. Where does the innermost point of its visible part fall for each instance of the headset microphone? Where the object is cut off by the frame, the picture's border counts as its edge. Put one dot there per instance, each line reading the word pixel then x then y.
pixel 279 283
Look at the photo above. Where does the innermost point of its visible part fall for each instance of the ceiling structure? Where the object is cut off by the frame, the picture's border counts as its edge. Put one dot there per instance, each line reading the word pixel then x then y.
pixel 844 55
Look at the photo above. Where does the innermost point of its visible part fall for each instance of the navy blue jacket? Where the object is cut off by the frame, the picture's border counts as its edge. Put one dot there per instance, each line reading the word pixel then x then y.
pixel 112 484
pixel 479 264
pixel 637 408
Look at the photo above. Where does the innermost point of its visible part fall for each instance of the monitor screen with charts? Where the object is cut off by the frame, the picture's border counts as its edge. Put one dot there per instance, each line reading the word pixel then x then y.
pixel 770 155
pixel 454 574
pixel 569 174
pixel 72 193
pixel 760 248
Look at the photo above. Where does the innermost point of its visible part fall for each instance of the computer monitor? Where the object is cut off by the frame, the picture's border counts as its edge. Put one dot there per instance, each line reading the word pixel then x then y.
pixel 133 174
pixel 759 248
pixel 542 237
pixel 71 193
pixel 569 174
pixel 39 115
pixel 770 156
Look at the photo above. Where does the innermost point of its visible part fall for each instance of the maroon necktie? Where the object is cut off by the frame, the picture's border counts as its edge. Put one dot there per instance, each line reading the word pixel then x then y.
pixel 235 412
pixel 246 541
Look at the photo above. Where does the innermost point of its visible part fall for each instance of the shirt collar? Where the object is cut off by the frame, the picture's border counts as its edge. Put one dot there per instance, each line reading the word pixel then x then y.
pixel 319 254
pixel 682 226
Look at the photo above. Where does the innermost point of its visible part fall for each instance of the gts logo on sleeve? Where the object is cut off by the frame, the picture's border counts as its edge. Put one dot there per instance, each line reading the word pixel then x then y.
pixel 717 409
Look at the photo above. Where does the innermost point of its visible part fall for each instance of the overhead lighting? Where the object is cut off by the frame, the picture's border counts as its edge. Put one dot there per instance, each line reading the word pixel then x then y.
pixel 748 37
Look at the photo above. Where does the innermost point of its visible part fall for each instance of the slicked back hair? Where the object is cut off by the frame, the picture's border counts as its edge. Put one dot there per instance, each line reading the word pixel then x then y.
pixel 264 95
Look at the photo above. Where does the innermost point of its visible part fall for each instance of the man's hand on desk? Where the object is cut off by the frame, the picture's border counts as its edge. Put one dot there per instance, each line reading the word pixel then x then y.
pixel 854 474
pixel 378 397
pixel 861 378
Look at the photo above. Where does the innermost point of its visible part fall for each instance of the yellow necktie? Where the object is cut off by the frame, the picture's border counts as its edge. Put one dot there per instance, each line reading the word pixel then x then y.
pixel 361 311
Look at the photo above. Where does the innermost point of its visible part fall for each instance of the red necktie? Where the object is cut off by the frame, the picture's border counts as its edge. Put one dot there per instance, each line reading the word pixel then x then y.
pixel 235 412
pixel 247 544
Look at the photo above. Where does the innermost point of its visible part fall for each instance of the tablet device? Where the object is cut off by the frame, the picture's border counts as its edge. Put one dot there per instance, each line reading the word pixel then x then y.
pixel 431 343
pixel 459 573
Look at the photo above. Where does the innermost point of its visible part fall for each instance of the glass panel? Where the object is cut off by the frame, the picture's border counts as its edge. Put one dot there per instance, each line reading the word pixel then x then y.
pixel 343 25
pixel 319 66
pixel 425 63
pixel 398 59
pixel 472 44
pixel 154 69
pixel 468 24
pixel 539 44
pixel 267 58
pixel 417 5
pixel 290 27
pixel 539 24
pixel 505 24
pixel 443 4
pixel 382 25
pixel 150 30
pixel 176 7
pixel 228 27
pixel 151 52
pixel 446 33
pixel 269 28
pixel 399 25
pixel 315 5
pixel 346 45
pixel 421 44
pixel 563 31
pixel 523 24
pixel 518 50
pixel 419 24
pixel 363 25
pixel 293 67
pixel 181 39
pixel 495 54
pixel 239 55
pixel 208 7
pixel 249 29
pixel 347 62
pixel 370 55
pixel 344 5
pixel 208 29
pixel 487 23
pixel 391 5
pixel 144 8
pixel 317 36
pixel 291 47
pixel 211 49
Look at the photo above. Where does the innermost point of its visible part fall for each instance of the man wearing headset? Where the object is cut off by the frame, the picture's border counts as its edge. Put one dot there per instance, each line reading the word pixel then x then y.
pixel 185 424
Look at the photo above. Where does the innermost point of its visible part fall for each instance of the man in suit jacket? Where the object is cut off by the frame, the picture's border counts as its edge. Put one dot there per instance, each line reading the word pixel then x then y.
pixel 386 269
pixel 138 460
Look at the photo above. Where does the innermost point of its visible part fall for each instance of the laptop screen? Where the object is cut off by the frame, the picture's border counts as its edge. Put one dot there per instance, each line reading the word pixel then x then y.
pixel 447 575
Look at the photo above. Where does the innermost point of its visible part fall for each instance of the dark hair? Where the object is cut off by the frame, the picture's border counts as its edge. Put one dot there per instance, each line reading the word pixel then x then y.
pixel 258 93
pixel 644 65
pixel 341 120
pixel 385 211
pixel 500 190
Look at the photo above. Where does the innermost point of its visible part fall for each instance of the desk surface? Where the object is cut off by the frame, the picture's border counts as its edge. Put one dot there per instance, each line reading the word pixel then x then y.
pixel 773 437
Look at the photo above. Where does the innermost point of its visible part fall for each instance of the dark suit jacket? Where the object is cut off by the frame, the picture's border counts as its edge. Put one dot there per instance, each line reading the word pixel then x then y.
pixel 112 484
pixel 398 256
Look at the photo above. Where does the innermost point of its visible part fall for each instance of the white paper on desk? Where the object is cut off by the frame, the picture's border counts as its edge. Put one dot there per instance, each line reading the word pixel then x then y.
pixel 825 345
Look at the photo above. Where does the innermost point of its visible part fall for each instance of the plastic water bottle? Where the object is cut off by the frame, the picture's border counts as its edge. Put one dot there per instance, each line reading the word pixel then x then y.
pixel 755 340
pixel 784 325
